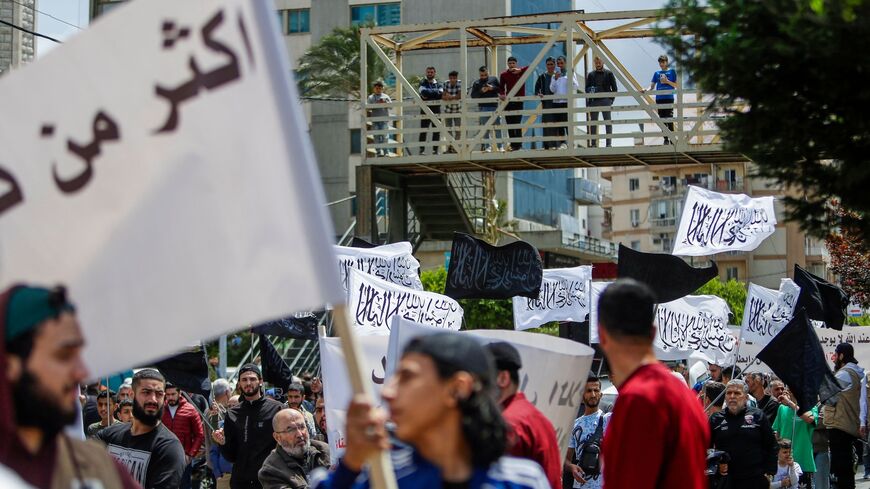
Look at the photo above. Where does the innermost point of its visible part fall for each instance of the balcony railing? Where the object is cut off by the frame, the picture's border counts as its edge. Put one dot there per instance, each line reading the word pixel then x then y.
pixel 475 129
pixel 596 246
pixel 586 191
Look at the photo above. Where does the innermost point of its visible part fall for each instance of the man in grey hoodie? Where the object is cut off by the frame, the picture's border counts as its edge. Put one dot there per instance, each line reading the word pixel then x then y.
pixel 845 414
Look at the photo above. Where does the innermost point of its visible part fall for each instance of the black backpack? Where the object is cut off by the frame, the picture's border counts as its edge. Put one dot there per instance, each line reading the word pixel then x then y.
pixel 589 457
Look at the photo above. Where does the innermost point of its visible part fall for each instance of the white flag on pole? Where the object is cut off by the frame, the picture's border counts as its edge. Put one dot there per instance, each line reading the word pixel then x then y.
pixel 713 223
pixel 767 311
pixel 373 303
pixel 170 184
pixel 393 262
pixel 595 292
pixel 564 297
pixel 692 323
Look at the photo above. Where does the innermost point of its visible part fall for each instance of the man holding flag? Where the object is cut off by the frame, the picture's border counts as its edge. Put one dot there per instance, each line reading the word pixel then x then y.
pixel 843 414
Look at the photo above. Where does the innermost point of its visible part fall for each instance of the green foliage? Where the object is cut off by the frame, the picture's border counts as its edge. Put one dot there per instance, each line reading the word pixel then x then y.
pixel 479 313
pixel 859 321
pixel 331 68
pixel 732 291
pixel 791 76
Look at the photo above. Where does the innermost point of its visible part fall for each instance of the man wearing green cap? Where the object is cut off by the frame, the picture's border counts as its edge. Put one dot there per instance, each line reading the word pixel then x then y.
pixel 42 367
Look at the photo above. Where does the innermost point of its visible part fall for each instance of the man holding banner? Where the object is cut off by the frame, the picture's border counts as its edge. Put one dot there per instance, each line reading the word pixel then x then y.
pixel 657 423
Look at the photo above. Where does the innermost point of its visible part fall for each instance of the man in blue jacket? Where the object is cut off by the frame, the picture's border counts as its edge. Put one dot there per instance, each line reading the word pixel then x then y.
pixel 431 90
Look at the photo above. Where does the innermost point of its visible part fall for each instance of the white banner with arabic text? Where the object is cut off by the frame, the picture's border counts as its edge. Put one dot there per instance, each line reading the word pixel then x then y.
pixel 564 296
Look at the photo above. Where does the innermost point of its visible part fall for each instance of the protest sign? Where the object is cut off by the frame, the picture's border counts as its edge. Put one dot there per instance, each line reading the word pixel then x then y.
pixel 172 186
pixel 693 323
pixel 394 263
pixel 714 223
pixel 373 303
pixel 564 297
pixel 479 270
pixel 767 311
pixel 337 390
pixel 553 375
pixel 829 338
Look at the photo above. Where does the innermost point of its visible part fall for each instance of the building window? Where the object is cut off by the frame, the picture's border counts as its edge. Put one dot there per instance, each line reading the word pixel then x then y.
pixel 731 272
pixel 635 217
pixel 355 142
pixel 633 184
pixel 298 21
pixel 377 14
pixel 541 196
pixel 635 245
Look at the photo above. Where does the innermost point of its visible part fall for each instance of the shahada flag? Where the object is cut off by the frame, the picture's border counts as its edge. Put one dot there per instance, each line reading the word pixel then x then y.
pixel 174 192
pixel 668 276
pixel 713 223
pixel 822 300
pixel 479 270
pixel 564 296
pixel 693 323
pixel 394 263
pixel 767 311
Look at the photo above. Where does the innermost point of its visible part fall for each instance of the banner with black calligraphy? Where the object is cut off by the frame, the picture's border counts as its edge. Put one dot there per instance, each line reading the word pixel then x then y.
pixel 858 336
pixel 479 270
pixel 553 375
pixel 337 390
pixel 393 262
pixel 714 223
pixel 170 184
pixel 374 302
pixel 564 297
pixel 692 323
pixel 767 311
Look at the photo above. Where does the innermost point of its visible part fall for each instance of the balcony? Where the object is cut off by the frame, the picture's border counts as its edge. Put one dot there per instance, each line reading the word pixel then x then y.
pixel 736 185
pixel 814 249
pixel 586 192
pixel 663 225
pixel 584 247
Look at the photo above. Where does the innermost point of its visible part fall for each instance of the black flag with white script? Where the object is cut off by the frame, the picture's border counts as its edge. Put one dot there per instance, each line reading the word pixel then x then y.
pixel 187 370
pixel 479 270
pixel 795 355
pixel 275 369
pixel 668 276
pixel 301 326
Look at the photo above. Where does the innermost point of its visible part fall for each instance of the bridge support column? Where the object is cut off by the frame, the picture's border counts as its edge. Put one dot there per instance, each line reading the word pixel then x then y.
pixel 366 221
pixel 397 210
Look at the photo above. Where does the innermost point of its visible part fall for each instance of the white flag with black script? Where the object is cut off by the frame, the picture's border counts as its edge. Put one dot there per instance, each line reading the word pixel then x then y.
pixel 713 223
pixel 564 296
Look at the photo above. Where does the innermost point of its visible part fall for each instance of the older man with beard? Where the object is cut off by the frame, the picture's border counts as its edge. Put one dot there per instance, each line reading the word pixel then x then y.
pixel 41 368
pixel 295 456
pixel 151 452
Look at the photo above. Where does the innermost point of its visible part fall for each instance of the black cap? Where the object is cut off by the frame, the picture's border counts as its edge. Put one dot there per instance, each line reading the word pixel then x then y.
pixel 458 351
pixel 506 356
pixel 250 367
pixel 847 350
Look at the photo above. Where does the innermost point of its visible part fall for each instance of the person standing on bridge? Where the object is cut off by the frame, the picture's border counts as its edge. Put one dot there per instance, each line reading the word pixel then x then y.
pixel 665 79
pixel 559 87
pixel 598 81
pixel 507 80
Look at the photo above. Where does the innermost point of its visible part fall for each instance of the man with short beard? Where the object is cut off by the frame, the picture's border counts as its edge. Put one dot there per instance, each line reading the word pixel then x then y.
pixel 763 401
pixel 41 368
pixel 182 419
pixel 320 419
pixel 584 432
pixel 152 454
pixel 295 456
pixel 246 438
pixel 104 399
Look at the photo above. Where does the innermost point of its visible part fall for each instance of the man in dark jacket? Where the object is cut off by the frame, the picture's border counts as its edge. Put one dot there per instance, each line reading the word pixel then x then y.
pixel 487 87
pixel 542 89
pixel 598 81
pixel 246 438
pixel 295 456
pixel 744 433
pixel 431 90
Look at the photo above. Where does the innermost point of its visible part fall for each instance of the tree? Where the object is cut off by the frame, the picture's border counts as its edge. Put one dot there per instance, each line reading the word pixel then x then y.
pixel 331 68
pixel 850 257
pixel 791 76
pixel 732 291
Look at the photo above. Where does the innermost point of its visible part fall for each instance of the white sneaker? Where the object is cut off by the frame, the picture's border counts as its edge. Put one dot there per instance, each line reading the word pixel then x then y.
pixel 488 150
pixel 563 146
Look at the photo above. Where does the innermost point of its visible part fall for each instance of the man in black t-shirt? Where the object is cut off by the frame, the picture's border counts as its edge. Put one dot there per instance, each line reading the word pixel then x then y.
pixel 151 452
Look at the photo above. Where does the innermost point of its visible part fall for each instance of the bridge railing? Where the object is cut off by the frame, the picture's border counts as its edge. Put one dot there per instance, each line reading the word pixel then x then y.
pixel 581 126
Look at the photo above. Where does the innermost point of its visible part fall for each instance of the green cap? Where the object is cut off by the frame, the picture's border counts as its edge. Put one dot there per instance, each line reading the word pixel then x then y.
pixel 30 306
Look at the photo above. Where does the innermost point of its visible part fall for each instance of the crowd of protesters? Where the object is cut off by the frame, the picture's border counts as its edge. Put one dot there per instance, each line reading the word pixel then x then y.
pixel 457 418
pixel 552 86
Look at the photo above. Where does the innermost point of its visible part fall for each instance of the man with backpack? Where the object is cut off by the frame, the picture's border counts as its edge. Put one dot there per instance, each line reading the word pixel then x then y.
pixel 530 434
pixel 583 459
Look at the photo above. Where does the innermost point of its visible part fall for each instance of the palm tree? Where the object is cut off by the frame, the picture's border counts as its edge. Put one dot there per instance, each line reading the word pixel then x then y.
pixel 331 68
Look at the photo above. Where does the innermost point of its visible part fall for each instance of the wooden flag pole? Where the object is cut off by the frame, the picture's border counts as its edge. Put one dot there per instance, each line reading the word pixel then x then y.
pixel 381 467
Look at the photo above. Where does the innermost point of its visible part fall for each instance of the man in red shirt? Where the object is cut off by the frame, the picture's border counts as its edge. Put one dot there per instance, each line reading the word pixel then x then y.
pixel 658 434
pixel 182 419
pixel 507 80
pixel 531 434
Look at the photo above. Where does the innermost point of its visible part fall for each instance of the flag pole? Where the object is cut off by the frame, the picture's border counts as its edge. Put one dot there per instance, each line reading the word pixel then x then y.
pixel 381 466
